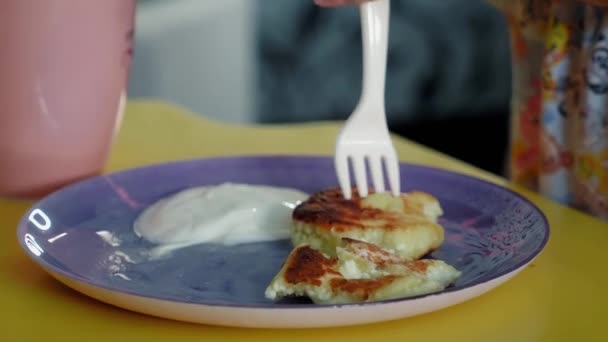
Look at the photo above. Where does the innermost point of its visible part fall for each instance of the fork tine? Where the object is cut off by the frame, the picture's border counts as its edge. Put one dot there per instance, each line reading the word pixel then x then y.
pixel 375 166
pixel 341 165
pixel 360 174
pixel 392 170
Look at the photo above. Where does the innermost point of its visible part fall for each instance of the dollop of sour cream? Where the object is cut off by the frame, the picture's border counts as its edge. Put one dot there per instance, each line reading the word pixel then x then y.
pixel 227 214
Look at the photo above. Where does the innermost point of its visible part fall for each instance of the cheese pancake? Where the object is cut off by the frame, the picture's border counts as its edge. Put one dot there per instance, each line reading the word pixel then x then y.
pixel 308 272
pixel 405 224
pixel 358 259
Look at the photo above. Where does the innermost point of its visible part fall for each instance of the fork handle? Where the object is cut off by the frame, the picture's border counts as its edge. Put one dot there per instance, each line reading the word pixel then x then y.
pixel 374 33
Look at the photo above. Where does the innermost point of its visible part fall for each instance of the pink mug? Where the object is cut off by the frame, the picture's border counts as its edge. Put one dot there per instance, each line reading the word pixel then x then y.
pixel 63 72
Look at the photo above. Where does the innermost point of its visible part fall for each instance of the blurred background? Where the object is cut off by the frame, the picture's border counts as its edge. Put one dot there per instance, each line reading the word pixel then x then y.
pixel 255 61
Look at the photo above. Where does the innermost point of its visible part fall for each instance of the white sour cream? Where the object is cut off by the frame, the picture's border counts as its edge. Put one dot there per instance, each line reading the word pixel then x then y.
pixel 227 214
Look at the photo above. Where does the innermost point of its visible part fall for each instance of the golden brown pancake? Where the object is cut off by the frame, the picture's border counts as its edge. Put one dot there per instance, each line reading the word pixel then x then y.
pixel 310 273
pixel 406 225
pixel 358 259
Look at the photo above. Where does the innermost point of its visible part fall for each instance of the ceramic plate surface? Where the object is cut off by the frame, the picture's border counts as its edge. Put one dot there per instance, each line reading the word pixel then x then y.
pixel 83 236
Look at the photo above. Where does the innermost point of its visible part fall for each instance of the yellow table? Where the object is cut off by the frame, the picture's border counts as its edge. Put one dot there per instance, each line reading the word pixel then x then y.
pixel 562 296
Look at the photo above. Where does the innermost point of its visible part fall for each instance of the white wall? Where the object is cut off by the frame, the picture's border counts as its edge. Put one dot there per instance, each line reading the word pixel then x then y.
pixel 198 54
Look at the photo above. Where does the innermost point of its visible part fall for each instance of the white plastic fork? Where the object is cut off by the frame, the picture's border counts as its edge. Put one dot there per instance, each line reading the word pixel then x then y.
pixel 365 135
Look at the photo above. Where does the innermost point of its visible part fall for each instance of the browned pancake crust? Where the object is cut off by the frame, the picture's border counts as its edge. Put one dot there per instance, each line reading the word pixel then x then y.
pixel 361 288
pixel 306 265
pixel 329 209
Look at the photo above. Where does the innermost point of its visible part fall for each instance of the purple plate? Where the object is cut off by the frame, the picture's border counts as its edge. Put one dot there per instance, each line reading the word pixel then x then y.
pixel 83 235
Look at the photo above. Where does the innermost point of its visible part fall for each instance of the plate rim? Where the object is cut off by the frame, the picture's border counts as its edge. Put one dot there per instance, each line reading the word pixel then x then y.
pixel 22 224
pixel 264 318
